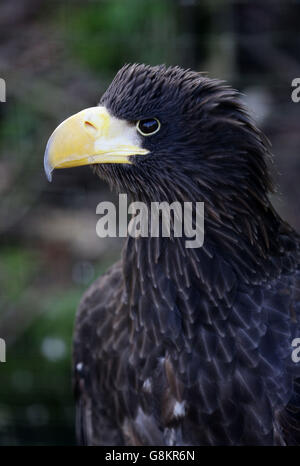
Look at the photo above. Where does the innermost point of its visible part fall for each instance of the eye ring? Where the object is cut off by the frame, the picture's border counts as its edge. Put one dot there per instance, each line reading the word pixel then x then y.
pixel 148 126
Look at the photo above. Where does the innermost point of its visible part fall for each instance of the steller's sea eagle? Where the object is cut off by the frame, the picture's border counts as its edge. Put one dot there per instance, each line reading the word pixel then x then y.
pixel 176 345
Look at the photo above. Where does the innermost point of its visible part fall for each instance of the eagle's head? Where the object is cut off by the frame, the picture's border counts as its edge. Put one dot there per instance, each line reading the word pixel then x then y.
pixel 166 133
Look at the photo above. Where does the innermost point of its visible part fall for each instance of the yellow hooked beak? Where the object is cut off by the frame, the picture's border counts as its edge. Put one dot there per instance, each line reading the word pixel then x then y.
pixel 91 136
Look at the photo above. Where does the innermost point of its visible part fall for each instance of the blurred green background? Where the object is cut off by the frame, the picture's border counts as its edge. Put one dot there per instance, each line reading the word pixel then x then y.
pixel 57 57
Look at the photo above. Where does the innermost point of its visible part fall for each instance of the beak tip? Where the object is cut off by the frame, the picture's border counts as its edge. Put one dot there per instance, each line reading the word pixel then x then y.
pixel 47 167
pixel 49 177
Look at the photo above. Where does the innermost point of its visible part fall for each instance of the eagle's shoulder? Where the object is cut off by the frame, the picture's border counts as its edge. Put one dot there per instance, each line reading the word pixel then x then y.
pixel 96 313
pixel 94 322
pixel 101 290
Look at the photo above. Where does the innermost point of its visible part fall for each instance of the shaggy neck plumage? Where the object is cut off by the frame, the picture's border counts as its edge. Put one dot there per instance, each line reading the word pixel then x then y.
pixel 240 223
pixel 241 227
pixel 242 237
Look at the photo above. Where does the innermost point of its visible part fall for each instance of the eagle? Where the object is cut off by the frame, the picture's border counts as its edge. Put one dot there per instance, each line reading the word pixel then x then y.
pixel 176 345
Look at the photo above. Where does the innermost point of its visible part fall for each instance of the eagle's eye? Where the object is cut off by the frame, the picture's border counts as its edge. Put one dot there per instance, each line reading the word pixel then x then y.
pixel 148 126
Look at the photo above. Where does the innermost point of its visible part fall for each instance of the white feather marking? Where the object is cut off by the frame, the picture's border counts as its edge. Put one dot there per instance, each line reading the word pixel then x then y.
pixel 79 366
pixel 147 385
pixel 179 409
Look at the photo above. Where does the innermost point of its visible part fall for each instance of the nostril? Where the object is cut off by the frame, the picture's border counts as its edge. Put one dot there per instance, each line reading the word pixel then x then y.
pixel 90 125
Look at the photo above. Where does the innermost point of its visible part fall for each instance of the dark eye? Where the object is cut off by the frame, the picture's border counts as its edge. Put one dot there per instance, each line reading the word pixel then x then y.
pixel 148 126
